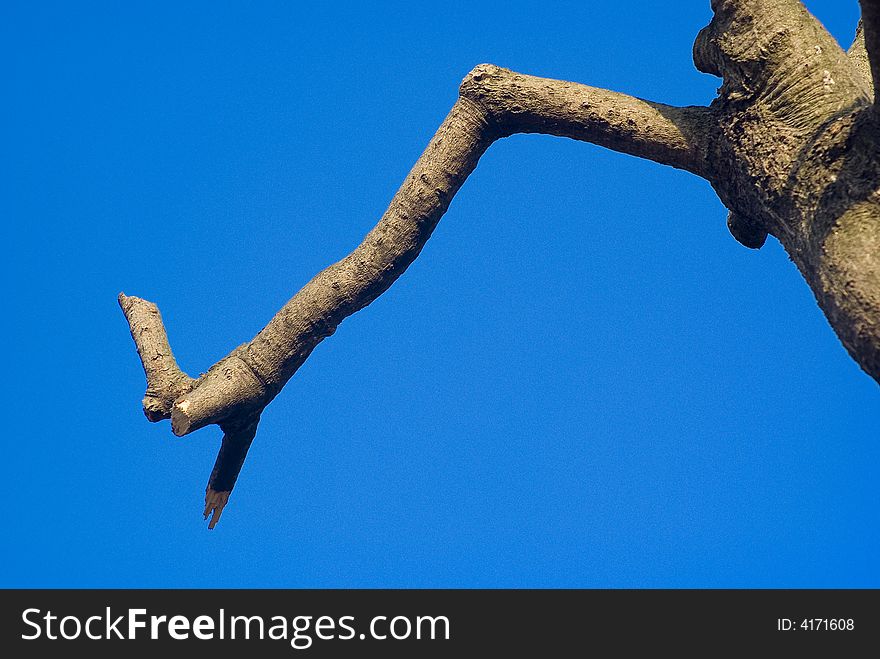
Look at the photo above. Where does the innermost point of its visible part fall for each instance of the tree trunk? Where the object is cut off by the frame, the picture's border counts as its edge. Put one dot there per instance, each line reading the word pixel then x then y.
pixel 789 145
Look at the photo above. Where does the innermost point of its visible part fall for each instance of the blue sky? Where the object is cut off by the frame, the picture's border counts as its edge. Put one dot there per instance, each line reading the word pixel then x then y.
pixel 583 381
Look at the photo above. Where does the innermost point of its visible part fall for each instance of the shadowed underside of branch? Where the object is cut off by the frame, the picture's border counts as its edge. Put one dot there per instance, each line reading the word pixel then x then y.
pixel 789 145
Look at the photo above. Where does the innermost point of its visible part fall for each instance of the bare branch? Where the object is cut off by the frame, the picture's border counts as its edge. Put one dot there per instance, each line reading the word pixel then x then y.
pixel 237 439
pixel 493 103
pixel 517 103
pixel 165 380
pixel 788 146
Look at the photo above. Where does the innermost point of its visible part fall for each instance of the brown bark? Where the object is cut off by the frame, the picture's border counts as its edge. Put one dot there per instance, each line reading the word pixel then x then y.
pixel 859 56
pixel 870 37
pixel 165 380
pixel 789 145
pixel 796 153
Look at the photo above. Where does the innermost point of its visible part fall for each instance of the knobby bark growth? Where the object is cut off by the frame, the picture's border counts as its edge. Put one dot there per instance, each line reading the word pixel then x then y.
pixel 790 145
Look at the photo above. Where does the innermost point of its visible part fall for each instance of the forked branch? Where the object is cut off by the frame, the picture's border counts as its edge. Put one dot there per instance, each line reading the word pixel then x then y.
pixel 789 146
pixel 493 103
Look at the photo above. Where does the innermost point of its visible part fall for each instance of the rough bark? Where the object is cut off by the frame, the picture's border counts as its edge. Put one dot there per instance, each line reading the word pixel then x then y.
pixel 789 145
pixel 858 55
pixel 165 380
pixel 796 152
pixel 870 37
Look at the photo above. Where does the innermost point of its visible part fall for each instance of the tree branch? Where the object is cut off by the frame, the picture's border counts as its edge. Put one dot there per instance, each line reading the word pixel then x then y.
pixel 871 33
pixel 493 103
pixel 790 146
pixel 165 380
pixel 517 103
pixel 237 438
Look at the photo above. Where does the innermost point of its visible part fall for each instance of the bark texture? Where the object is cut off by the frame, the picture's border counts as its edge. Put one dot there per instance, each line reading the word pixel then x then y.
pixel 796 153
pixel 165 380
pixel 789 144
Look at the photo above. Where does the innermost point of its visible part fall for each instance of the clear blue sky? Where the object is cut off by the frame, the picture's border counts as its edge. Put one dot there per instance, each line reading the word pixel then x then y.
pixel 583 381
